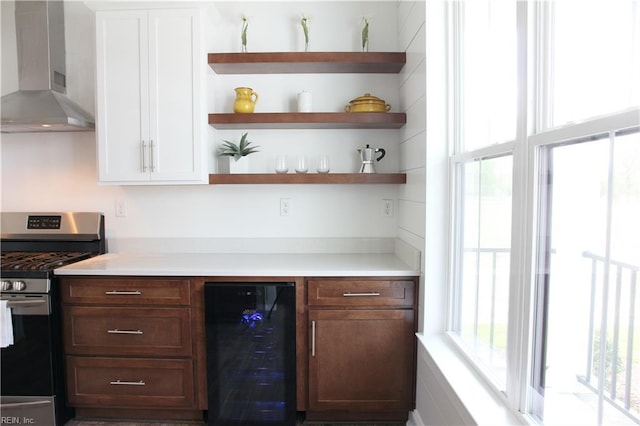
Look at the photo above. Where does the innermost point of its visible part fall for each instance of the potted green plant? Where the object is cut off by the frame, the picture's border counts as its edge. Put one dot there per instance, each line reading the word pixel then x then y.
pixel 235 155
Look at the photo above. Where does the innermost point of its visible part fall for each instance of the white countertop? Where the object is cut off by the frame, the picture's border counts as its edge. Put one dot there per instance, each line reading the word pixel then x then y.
pixel 243 264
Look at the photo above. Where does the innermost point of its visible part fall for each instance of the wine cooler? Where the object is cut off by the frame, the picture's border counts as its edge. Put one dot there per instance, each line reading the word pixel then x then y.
pixel 251 368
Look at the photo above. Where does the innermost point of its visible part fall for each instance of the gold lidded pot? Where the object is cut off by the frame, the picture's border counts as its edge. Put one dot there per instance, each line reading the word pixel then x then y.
pixel 367 103
pixel 245 101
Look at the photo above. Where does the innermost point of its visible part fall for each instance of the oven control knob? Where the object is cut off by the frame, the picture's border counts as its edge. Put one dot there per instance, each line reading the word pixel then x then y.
pixel 5 285
pixel 19 285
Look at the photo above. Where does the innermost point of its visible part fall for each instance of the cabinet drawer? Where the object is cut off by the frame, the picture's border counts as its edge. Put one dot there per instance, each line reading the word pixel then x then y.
pixel 132 383
pixel 125 291
pixel 127 331
pixel 360 292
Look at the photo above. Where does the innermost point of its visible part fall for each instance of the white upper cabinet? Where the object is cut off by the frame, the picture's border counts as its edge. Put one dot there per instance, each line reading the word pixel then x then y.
pixel 149 113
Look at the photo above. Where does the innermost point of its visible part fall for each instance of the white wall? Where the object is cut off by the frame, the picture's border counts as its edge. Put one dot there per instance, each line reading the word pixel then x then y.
pixel 411 225
pixel 53 172
pixel 424 199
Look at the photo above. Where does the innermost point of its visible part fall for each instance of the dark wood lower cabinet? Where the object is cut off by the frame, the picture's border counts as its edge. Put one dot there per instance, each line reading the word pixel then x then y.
pixel 134 347
pixel 130 383
pixel 361 354
pixel 139 331
pixel 131 346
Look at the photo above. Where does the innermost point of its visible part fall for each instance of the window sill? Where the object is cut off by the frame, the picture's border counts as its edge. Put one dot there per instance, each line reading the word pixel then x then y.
pixel 481 402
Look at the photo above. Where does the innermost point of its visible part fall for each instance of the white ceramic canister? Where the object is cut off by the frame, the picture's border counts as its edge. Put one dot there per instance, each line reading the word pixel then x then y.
pixel 304 101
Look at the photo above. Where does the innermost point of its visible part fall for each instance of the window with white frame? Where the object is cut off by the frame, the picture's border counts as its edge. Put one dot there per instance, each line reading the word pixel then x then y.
pixel 586 352
pixel 545 232
pixel 594 60
pixel 485 61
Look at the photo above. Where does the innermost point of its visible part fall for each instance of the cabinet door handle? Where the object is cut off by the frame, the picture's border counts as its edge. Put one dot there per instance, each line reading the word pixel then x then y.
pixel 143 156
pixel 123 292
pixel 313 338
pixel 151 167
pixel 373 293
pixel 116 331
pixel 120 382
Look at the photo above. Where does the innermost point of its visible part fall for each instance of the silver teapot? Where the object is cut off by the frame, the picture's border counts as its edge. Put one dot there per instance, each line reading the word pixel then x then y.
pixel 367 155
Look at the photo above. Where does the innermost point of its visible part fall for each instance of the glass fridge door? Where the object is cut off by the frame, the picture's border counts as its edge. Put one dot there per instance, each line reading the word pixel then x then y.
pixel 250 330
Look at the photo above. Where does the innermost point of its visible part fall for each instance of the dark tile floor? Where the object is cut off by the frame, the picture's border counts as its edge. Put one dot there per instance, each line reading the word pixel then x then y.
pixel 130 423
pixel 182 423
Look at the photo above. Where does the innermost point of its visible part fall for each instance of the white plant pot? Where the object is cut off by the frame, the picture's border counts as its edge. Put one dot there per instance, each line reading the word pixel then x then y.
pixel 228 164
pixel 240 166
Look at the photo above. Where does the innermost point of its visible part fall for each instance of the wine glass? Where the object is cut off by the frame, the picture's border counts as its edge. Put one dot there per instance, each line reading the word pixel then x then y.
pixel 281 164
pixel 302 166
pixel 323 164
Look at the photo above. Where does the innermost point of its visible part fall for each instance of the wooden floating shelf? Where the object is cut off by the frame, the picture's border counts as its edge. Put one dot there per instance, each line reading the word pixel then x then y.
pixel 308 178
pixel 309 120
pixel 307 62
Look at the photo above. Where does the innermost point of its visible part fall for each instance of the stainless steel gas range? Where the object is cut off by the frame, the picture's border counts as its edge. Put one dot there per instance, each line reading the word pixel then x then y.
pixel 32 246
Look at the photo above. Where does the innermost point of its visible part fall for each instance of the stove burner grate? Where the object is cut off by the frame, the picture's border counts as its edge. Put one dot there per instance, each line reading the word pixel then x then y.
pixel 36 261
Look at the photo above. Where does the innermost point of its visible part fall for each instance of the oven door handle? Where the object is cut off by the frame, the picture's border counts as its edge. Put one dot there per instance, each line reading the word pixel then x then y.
pixel 26 404
pixel 24 303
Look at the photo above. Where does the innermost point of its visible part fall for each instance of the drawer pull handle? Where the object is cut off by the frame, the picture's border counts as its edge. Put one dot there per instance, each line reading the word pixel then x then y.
pixel 116 331
pixel 123 293
pixel 313 338
pixel 373 293
pixel 119 382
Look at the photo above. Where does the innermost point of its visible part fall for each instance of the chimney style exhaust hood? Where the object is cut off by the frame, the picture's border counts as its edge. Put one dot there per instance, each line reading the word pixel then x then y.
pixel 40 104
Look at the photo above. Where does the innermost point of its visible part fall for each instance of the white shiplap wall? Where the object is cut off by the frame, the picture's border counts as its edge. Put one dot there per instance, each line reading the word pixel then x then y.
pixel 423 201
pixel 52 172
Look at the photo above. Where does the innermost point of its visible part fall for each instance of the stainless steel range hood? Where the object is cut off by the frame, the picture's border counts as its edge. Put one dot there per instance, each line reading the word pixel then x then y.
pixel 40 104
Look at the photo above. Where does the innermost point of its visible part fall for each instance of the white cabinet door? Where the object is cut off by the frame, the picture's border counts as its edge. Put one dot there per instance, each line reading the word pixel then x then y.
pixel 148 97
pixel 174 95
pixel 122 95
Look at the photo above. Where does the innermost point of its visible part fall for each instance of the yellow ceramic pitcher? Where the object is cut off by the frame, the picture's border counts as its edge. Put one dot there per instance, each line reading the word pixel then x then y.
pixel 245 101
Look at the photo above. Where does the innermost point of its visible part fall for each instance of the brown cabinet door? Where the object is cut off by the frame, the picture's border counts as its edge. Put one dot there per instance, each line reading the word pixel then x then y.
pixel 361 360
pixel 127 331
pixel 130 383
pixel 125 291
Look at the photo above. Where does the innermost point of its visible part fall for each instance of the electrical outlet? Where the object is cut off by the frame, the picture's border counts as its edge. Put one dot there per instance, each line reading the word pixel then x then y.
pixel 121 208
pixel 285 206
pixel 387 208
